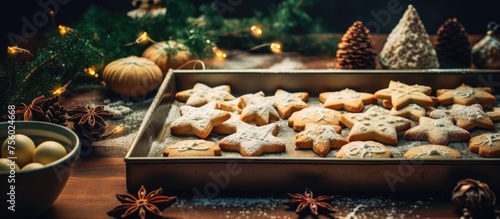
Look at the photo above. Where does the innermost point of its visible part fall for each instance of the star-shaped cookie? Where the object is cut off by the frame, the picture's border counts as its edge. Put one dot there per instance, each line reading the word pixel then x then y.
pixel 402 94
pixel 258 110
pixel 202 94
pixel 437 131
pixel 412 111
pixel 495 114
pixel 466 117
pixel 286 103
pixel 199 121
pixel 375 124
pixel 347 99
pixel 321 138
pixel 486 145
pixel 466 95
pixel 316 115
pixel 192 148
pixel 254 141
pixel 230 126
pixel 234 105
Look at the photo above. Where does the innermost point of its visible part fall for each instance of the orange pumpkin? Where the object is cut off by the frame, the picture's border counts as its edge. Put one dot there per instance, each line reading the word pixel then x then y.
pixel 168 55
pixel 132 76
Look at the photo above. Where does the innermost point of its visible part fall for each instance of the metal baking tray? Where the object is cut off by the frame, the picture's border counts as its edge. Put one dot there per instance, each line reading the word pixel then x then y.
pixel 213 175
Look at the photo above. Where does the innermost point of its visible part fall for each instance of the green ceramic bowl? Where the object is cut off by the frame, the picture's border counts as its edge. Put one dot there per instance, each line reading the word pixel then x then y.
pixel 36 190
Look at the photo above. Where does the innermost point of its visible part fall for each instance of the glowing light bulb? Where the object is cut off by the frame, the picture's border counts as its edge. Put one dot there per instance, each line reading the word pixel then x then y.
pixel 256 31
pixel 90 71
pixel 143 38
pixel 63 30
pixel 59 91
pixel 219 53
pixel 276 47
pixel 12 50
pixel 15 50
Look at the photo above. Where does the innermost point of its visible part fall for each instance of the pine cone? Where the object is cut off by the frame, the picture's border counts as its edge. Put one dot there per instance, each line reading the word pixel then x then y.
pixel 453 47
pixel 56 114
pixel 355 50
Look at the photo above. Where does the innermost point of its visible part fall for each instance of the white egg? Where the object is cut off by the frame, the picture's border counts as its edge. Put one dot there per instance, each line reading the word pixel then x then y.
pixel 32 166
pixel 48 152
pixel 5 165
pixel 21 147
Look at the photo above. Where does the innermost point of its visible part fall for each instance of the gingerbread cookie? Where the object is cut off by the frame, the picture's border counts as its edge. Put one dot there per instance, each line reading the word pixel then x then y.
pixel 192 148
pixel 320 138
pixel 412 111
pixel 431 151
pixel 254 141
pixel 199 121
pixel 258 110
pixel 437 131
pixel 364 149
pixel 286 103
pixel 316 115
pixel 466 95
pixel 466 117
pixel 402 94
pixel 234 105
pixel 230 126
pixel 486 145
pixel 347 99
pixel 495 114
pixel 375 124
pixel 202 94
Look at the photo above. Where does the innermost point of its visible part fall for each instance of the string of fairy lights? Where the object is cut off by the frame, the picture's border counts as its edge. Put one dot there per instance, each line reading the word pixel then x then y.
pixel 91 71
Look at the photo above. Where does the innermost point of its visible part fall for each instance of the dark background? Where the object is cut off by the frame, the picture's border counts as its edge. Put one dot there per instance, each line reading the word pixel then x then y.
pixel 336 15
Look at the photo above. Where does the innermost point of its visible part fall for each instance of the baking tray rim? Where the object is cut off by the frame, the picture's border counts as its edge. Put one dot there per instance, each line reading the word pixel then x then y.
pixel 322 160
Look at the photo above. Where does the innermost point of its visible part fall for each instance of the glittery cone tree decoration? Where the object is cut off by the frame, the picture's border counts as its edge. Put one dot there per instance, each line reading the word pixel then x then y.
pixel 408 46
pixel 453 47
pixel 355 50
pixel 486 53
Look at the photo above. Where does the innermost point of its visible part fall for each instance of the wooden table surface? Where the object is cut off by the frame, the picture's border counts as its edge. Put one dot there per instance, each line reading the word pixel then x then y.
pixel 90 193
pixel 91 189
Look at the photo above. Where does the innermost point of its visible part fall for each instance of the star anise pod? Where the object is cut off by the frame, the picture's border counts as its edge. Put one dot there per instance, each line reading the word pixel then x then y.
pixel 145 204
pixel 315 204
pixel 33 111
pixel 88 116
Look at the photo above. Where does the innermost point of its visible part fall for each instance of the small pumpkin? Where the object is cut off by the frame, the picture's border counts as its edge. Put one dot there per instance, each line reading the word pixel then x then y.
pixel 168 54
pixel 132 76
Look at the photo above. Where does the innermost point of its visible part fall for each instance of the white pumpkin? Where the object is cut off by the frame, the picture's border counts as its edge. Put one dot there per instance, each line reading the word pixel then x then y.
pixel 163 54
pixel 132 76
